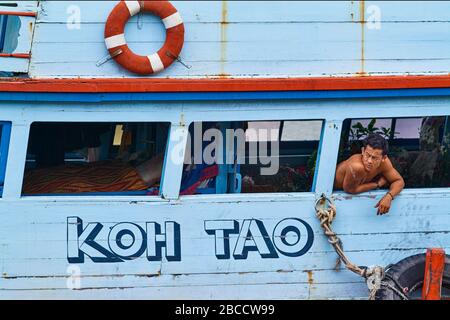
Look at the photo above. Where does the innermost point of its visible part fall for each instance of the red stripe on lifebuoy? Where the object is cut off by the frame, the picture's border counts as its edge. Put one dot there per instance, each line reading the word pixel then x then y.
pixel 115 28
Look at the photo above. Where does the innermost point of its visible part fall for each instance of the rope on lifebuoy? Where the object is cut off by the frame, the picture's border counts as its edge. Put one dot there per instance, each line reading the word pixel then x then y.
pixel 153 63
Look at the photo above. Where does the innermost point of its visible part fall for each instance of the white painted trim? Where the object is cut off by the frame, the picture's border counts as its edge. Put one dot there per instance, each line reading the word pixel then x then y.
pixel 115 41
pixel 329 150
pixel 172 20
pixel 104 199
pixel 133 7
pixel 174 161
pixel 15 165
pixel 155 62
pixel 250 197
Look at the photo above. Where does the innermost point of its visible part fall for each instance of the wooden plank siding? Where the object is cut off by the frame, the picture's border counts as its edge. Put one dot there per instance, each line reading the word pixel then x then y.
pixel 234 47
pixel 256 39
pixel 33 232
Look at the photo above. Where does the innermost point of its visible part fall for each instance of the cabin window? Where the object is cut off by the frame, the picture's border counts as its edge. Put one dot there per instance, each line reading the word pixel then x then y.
pixel 9 33
pixel 419 147
pixel 123 158
pixel 251 157
pixel 5 132
pixel 17 21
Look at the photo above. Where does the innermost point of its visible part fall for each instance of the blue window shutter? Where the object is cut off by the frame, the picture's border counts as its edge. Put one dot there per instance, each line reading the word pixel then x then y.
pixel 5 129
pixel 3 25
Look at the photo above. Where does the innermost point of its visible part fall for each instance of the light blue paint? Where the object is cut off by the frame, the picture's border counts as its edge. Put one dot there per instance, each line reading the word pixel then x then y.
pixel 14 65
pixel 319 153
pixel 413 11
pixel 18 41
pixel 211 11
pixel 173 162
pixel 279 39
pixel 329 151
pixel 33 235
pixel 16 164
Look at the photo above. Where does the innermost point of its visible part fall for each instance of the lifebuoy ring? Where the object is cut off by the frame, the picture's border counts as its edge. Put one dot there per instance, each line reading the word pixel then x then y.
pixel 115 36
pixel 407 276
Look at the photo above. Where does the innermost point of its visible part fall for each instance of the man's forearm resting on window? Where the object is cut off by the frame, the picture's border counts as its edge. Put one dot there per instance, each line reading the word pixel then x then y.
pixel 360 188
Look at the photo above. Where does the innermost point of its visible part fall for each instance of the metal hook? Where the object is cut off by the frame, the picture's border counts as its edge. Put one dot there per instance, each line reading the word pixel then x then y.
pixel 170 55
pixel 140 21
pixel 322 201
pixel 108 57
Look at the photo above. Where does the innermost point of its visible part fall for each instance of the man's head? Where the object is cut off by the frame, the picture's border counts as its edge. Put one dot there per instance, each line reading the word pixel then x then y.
pixel 374 151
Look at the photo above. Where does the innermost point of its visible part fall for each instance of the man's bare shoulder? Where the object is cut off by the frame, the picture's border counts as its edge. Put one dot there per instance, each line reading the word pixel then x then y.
pixel 386 165
pixel 355 163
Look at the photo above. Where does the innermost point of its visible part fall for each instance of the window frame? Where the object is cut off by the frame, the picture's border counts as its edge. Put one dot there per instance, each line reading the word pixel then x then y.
pixel 19 60
pixel 406 190
pixel 166 108
pixel 101 196
pixel 260 195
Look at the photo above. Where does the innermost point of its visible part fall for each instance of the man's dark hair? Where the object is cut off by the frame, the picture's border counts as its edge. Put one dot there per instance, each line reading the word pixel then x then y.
pixel 376 141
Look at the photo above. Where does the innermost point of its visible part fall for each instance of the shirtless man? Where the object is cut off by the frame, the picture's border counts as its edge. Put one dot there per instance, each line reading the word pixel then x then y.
pixel 370 170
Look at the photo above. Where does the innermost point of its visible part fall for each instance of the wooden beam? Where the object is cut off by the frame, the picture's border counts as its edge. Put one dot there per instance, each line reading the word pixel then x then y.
pixel 140 85
pixel 15 55
pixel 18 13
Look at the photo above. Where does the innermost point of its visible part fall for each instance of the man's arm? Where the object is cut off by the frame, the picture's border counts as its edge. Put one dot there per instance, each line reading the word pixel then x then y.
pixel 354 175
pixel 396 186
pixel 150 171
pixel 394 178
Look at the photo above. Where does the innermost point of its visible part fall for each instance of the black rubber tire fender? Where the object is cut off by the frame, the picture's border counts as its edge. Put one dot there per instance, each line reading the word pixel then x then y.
pixel 409 273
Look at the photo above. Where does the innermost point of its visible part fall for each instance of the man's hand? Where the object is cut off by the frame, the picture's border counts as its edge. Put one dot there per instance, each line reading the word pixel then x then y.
pixel 384 205
pixel 382 182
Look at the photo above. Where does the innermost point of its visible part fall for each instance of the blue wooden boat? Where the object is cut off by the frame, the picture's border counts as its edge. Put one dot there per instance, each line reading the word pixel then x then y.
pixel 316 77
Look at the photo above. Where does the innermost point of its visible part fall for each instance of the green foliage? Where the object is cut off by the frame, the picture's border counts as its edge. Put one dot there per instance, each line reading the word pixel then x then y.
pixel 311 164
pixel 358 131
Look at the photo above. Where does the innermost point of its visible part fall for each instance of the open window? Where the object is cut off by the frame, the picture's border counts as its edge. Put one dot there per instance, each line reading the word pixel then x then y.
pixel 17 19
pixel 251 157
pixel 123 158
pixel 419 147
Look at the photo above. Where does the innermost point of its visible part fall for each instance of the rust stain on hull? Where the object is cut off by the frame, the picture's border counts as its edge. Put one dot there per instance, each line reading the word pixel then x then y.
pixel 310 282
pixel 362 21
pixel 223 38
pixel 310 277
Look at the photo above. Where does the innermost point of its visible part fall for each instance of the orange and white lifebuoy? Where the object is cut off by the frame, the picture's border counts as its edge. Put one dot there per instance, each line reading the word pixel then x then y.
pixel 115 36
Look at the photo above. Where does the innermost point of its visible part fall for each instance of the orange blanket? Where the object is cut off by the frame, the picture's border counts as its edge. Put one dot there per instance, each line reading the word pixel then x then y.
pixel 102 176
